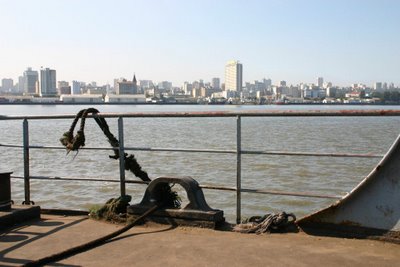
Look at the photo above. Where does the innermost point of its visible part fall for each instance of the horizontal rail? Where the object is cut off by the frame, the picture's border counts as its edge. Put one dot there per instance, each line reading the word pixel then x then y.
pixel 287 113
pixel 57 178
pixel 217 151
pixel 211 187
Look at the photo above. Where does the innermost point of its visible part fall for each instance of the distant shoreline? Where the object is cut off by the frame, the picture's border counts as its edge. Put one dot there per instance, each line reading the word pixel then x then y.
pixel 200 104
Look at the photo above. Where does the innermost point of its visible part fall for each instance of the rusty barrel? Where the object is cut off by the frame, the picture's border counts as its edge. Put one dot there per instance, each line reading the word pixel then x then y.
pixel 5 191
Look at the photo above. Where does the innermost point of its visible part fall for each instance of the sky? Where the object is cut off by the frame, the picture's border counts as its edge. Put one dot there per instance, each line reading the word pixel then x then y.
pixel 350 41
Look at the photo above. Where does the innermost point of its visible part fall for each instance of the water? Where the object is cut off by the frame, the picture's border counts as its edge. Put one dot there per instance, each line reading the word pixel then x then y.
pixel 324 175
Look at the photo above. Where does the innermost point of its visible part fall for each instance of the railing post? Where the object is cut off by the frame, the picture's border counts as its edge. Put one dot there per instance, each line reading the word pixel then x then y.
pixel 121 155
pixel 27 186
pixel 238 169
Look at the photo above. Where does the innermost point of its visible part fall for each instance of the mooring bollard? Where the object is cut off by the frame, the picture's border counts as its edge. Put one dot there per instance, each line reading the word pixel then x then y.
pixel 5 191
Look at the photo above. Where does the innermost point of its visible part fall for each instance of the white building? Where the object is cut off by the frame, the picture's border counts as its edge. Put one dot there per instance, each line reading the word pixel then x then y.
pixel 81 98
pixel 233 76
pixel 76 88
pixel 125 99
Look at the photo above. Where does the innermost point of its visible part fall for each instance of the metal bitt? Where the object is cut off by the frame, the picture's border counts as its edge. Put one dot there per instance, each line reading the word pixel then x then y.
pixel 238 169
pixel 121 155
pixel 27 186
pixel 195 213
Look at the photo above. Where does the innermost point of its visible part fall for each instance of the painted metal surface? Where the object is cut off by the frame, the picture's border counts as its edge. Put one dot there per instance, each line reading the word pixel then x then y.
pixel 374 203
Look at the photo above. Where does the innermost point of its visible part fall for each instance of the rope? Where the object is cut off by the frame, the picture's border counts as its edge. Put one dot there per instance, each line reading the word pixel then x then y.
pixel 89 245
pixel 267 223
pixel 73 143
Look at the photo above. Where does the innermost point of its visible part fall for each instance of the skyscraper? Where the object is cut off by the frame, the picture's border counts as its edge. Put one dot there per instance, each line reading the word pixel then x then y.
pixel 30 79
pixel 7 85
pixel 215 83
pixel 320 82
pixel 233 76
pixel 48 84
pixel 76 88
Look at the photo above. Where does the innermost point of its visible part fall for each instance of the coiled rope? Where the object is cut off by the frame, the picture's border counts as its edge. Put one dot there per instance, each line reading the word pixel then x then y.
pixel 267 223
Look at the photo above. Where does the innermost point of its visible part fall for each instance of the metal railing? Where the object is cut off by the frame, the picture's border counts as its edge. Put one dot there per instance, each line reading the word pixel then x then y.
pixel 238 151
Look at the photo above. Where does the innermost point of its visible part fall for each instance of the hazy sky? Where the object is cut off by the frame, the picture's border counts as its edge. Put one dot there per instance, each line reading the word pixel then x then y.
pixel 345 42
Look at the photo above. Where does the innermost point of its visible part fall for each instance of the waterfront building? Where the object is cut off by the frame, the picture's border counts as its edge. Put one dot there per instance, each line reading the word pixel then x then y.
pixel 81 98
pixel 64 88
pixel 48 82
pixel 21 84
pixel 7 85
pixel 331 91
pixel 76 88
pixel 31 78
pixel 124 87
pixel 233 76
pixel 215 83
pixel 125 98
pixel 282 83
pixel 187 88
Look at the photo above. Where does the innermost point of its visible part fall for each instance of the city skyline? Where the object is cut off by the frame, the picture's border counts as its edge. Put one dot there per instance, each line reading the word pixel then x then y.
pixel 344 41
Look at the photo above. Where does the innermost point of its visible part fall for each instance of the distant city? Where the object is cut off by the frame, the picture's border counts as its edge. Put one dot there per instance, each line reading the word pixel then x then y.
pixel 42 87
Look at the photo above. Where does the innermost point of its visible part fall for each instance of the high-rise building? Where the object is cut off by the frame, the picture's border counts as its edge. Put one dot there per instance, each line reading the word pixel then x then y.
pixel 31 77
pixel 7 85
pixel 215 83
pixel 320 82
pixel 267 82
pixel 76 88
pixel 165 86
pixel 48 84
pixel 233 76
pixel 21 84
pixel 378 86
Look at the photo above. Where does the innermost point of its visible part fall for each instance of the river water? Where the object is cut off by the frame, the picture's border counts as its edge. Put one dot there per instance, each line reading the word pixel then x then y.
pixel 321 175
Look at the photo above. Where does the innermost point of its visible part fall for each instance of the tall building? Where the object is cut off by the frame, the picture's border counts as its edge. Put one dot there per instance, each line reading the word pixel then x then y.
pixel 267 83
pixel 7 85
pixel 21 84
pixel 48 84
pixel 233 76
pixel 215 83
pixel 320 82
pixel 31 77
pixel 378 86
pixel 76 88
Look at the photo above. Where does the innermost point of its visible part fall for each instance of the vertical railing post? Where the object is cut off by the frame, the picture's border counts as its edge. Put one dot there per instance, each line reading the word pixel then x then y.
pixel 27 187
pixel 121 155
pixel 238 169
